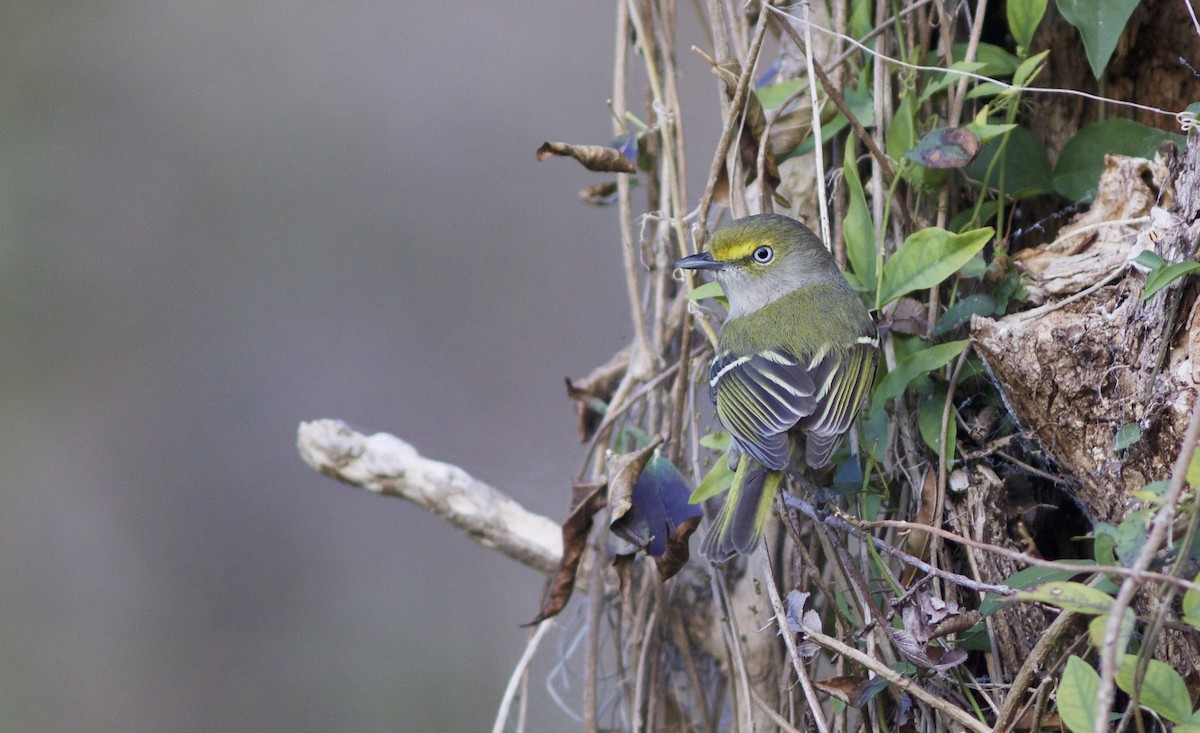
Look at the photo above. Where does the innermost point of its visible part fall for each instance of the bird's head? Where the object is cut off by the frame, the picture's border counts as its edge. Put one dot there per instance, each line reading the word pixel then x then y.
pixel 759 258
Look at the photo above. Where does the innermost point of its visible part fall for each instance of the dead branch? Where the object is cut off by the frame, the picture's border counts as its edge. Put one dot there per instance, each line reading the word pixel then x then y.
pixel 387 465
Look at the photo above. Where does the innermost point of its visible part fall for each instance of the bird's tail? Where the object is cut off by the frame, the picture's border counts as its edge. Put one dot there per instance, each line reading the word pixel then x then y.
pixel 742 518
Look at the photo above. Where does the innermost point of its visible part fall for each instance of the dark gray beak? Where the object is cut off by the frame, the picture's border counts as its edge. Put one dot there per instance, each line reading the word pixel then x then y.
pixel 702 261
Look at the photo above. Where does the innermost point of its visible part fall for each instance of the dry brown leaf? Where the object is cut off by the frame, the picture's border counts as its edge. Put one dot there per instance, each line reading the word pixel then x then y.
pixel 586 500
pixel 599 158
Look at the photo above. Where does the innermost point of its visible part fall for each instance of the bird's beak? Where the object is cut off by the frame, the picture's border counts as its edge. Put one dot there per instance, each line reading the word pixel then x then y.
pixel 702 261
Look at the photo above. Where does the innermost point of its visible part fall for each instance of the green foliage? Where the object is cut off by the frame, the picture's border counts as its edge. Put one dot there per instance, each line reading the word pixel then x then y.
pixel 1127 435
pixel 1161 273
pixel 1131 535
pixel 929 421
pixel 717 481
pixel 1023 19
pixel 1082 159
pixel 1191 606
pixel 915 365
pixel 1069 596
pixel 711 289
pixel 1022 165
pixel 858 228
pixel 927 258
pixel 1162 689
pixel 1077 695
pixel 1098 626
pixel 1100 23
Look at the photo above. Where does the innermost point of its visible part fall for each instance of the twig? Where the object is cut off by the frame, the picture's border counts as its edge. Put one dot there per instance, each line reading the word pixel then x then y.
pixel 814 705
pixel 840 523
pixel 1047 647
pixel 904 683
pixel 1163 519
pixel 1029 559
pixel 387 465
pixel 980 77
pixel 818 146
pixel 518 673
pixel 731 122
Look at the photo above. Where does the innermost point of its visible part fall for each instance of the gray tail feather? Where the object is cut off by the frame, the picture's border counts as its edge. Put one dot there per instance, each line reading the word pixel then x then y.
pixel 740 534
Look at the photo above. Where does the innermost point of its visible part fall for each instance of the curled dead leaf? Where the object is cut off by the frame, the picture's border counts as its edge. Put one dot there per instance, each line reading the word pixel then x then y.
pixel 602 194
pixel 849 688
pixel 592 393
pixel 945 147
pixel 599 158
pixel 586 500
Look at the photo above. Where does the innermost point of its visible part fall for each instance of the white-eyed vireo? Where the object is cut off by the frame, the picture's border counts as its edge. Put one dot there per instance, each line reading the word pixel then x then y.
pixel 794 362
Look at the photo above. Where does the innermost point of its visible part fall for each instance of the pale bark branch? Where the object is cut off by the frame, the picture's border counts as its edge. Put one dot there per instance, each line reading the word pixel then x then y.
pixel 387 465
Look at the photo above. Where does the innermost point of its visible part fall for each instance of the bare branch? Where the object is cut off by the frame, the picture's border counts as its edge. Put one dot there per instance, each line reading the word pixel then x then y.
pixel 387 465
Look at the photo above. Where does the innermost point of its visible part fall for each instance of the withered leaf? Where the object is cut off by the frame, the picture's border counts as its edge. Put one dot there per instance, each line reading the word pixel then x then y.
pixel 655 514
pixel 849 689
pixel 623 471
pixel 1049 720
pixel 945 147
pixel 677 553
pixel 599 158
pixel 592 393
pixel 602 194
pixel 752 131
pixel 926 657
pixel 586 500
pixel 908 317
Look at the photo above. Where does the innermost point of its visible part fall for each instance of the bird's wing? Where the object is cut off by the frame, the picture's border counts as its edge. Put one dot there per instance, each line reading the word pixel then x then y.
pixel 760 397
pixel 843 382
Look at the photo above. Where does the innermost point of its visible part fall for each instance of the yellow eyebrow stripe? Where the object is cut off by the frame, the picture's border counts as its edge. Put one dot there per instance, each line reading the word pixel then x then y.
pixel 732 251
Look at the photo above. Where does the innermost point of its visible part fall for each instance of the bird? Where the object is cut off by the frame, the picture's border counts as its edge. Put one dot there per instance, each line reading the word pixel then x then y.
pixel 794 362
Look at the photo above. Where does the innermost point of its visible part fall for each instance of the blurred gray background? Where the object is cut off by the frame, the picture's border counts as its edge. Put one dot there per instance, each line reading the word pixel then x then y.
pixel 218 219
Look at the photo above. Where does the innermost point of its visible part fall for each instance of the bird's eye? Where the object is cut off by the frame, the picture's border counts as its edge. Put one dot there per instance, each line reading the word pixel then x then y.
pixel 763 255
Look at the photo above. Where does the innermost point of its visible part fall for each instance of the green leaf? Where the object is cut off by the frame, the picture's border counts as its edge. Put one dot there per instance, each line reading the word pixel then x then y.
pixel 979 304
pixel 1191 606
pixel 1023 167
pixel 772 96
pixel 1104 547
pixel 1100 22
pixel 1077 695
pixel 1029 69
pixel 718 479
pixel 915 365
pixel 1127 435
pixel 1149 259
pixel 985 130
pixel 986 89
pixel 1162 690
pixel 929 420
pixel 1191 726
pixel 718 441
pixel 948 77
pixel 927 258
pixel 1082 159
pixel 1131 535
pixel 1098 625
pixel 1164 276
pixel 1023 19
pixel 1069 596
pixel 1035 576
pixel 902 135
pixel 858 228
pixel 861 104
pixel 998 62
pixel 1193 469
pixel 708 290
